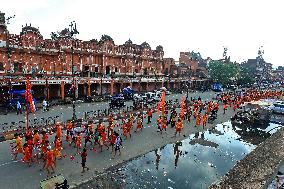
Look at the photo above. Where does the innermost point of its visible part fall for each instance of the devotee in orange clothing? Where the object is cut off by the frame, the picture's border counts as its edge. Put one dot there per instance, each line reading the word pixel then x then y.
pixel 36 138
pixel 205 118
pixel 27 155
pixel 178 127
pixel 58 130
pixel 198 119
pixel 78 141
pixel 139 124
pixel 164 124
pixel 18 146
pixel 49 161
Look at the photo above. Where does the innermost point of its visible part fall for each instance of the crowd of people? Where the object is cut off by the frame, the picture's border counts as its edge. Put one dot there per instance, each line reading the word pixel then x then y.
pixel 40 146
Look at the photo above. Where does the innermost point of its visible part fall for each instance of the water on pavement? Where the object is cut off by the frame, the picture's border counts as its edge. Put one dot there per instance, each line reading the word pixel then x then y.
pixel 195 162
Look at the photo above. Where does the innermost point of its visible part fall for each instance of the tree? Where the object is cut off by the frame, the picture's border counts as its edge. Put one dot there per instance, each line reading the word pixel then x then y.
pixel 246 76
pixel 223 73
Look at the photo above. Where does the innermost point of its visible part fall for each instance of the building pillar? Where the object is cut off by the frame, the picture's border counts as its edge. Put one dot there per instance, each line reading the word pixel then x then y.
pixel 89 88
pixel 62 90
pixel 147 86
pixel 111 87
pixel 76 88
pixel 48 93
pixel 85 88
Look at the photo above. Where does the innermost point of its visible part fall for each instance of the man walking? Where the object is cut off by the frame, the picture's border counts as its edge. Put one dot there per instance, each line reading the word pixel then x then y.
pixel 44 104
pixel 150 114
pixel 84 159
pixel 19 108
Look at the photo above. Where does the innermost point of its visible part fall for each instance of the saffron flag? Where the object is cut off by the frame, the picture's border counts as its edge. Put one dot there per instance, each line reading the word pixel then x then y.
pixel 182 106
pixel 163 102
pixel 28 95
pixel 158 108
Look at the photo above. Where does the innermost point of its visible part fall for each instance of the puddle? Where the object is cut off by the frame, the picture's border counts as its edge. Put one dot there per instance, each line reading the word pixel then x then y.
pixel 195 162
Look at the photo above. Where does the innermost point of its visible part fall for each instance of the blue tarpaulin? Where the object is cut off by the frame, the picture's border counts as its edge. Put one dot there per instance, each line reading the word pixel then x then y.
pixel 18 92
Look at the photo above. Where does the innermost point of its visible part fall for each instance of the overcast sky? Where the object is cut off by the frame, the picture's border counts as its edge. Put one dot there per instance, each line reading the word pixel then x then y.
pixel 178 25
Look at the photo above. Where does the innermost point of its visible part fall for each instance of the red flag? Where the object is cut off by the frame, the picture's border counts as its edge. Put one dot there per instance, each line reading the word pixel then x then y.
pixel 29 97
pixel 182 106
pixel 163 102
pixel 158 108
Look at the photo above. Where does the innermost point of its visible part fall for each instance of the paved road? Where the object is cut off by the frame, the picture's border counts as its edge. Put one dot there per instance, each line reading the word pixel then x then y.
pixel 15 174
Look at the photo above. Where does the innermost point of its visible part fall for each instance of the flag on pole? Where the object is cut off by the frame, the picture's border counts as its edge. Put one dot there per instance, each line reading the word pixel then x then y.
pixel 182 106
pixel 158 108
pixel 163 102
pixel 28 95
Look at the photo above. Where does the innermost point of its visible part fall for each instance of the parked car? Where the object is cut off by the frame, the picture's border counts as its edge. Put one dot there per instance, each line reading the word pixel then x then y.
pixel 117 102
pixel 278 107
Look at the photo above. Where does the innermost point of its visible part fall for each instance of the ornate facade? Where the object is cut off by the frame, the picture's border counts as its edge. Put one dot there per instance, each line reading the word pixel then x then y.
pixel 99 66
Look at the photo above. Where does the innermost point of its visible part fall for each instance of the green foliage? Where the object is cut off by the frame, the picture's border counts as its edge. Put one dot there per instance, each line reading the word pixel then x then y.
pixel 246 76
pixel 106 38
pixel 223 72
pixel 54 36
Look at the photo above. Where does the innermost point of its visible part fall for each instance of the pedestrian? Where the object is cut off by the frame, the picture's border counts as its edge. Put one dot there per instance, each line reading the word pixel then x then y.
pixel 78 141
pixel 87 137
pixel 173 121
pixel 96 137
pixel 150 114
pixel 49 161
pixel 27 154
pixel 73 136
pixel 198 120
pixel 34 105
pixel 164 124
pixel 225 106
pixel 102 140
pixel 84 159
pixel 178 127
pixel 112 140
pixel 44 105
pixel 159 124
pixel 118 144
pixel 18 146
pixel 139 125
pixel 204 121
pixel 19 108
pixel 58 130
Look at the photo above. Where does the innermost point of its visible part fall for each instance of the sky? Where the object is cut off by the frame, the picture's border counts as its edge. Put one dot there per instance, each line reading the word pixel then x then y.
pixel 206 26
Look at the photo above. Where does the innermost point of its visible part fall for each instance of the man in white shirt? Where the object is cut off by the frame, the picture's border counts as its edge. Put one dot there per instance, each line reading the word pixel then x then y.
pixel 44 104
pixel 19 108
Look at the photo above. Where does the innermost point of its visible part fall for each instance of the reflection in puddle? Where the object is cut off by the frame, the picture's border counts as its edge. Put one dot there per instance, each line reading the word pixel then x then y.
pixel 195 162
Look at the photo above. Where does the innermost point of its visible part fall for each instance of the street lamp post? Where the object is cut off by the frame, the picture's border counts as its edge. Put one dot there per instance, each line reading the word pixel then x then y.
pixel 73 32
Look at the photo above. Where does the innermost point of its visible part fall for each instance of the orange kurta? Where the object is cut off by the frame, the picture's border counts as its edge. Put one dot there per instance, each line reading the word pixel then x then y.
pixel 198 119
